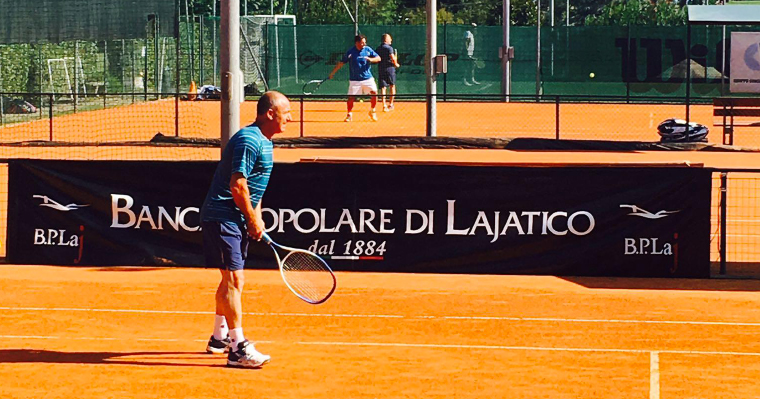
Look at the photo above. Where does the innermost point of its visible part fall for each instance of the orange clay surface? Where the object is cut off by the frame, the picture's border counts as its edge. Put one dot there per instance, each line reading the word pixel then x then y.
pixel 92 333
pixel 141 121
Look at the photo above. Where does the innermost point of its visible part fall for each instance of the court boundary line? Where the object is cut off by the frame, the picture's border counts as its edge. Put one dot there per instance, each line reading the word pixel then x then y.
pixel 382 316
pixel 428 346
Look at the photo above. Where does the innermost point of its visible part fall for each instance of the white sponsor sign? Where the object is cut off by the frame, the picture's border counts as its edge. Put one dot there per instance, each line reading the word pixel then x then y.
pixel 745 62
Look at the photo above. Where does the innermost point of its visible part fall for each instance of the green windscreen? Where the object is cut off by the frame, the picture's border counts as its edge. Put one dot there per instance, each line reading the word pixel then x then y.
pixel 65 20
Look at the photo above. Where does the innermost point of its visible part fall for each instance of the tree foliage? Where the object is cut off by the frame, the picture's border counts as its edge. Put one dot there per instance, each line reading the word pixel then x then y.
pixel 482 12
pixel 640 12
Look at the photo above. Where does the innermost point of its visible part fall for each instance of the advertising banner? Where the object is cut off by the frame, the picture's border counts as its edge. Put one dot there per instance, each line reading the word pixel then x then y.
pixel 594 221
pixel 745 62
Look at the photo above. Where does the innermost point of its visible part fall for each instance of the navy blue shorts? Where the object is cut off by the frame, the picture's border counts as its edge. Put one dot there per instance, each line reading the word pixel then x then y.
pixel 387 77
pixel 225 245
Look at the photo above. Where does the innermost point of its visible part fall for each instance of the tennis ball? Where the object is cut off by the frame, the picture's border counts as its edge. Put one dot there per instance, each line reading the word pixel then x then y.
pixel 591 75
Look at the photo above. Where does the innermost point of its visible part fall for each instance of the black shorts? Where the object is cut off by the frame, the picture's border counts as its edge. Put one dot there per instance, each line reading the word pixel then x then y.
pixel 387 77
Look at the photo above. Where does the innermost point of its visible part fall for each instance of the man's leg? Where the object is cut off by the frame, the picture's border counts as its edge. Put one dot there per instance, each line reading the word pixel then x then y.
pixel 382 95
pixel 212 243
pixel 373 104
pixel 242 353
pixel 392 96
pixel 228 297
pixel 349 107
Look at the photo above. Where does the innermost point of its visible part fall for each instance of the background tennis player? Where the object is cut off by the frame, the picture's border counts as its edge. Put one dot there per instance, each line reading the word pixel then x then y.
pixel 387 70
pixel 359 59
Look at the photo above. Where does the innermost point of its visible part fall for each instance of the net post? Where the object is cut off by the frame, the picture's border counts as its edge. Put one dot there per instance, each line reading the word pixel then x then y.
pixel 300 124
pixel 723 218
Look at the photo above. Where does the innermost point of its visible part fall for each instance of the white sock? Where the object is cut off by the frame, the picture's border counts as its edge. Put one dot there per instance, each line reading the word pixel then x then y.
pixel 220 327
pixel 236 334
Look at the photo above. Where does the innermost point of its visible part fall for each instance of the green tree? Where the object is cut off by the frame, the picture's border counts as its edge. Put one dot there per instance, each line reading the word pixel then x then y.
pixel 418 16
pixel 639 12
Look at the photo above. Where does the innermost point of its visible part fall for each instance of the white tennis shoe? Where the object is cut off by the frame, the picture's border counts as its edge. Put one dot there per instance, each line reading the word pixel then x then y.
pixel 246 356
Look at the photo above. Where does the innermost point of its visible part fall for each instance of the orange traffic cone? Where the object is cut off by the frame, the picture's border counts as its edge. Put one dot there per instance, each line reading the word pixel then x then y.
pixel 193 92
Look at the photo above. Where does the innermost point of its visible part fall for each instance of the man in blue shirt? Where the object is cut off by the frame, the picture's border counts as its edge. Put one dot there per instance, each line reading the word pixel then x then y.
pixel 231 215
pixel 387 70
pixel 359 57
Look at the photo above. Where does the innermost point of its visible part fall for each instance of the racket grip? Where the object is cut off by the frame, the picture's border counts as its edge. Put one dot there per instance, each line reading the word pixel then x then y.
pixel 265 238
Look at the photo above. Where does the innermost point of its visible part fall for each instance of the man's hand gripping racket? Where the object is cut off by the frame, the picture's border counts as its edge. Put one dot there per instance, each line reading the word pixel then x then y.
pixel 304 272
pixel 313 85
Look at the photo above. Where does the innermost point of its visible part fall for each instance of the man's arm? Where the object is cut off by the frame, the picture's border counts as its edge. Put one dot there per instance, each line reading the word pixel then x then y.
pixel 337 67
pixel 242 198
pixel 394 59
pixel 374 59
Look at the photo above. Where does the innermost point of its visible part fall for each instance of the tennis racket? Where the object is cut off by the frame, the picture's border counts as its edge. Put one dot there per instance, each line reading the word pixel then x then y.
pixel 480 64
pixel 306 274
pixel 313 85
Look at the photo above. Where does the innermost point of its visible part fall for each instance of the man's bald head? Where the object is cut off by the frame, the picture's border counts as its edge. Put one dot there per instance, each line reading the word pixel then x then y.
pixel 273 113
pixel 270 100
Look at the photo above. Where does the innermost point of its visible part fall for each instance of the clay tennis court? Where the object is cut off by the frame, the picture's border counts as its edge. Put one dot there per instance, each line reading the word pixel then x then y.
pixel 140 333
pixel 201 119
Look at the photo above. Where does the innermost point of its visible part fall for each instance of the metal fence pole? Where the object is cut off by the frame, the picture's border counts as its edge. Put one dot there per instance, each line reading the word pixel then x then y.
pixel 177 46
pixel 105 72
pixel 50 114
pixel 432 48
pixel 145 64
pixel 200 50
pixel 230 69
pixel 556 115
pixel 723 217
pixel 445 40
pixel 688 71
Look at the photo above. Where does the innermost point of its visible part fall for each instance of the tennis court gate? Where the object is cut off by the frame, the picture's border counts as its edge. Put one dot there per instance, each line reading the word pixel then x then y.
pixel 735 232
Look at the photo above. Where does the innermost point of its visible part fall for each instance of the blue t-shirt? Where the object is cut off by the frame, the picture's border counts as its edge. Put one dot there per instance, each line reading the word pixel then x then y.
pixel 358 64
pixel 250 153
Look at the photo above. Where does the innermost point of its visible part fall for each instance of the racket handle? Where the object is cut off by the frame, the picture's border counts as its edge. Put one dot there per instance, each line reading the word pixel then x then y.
pixel 265 238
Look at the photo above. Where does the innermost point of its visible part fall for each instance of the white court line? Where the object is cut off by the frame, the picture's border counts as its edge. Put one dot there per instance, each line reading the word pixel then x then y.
pixel 431 346
pixel 385 316
pixel 654 375
pixel 528 348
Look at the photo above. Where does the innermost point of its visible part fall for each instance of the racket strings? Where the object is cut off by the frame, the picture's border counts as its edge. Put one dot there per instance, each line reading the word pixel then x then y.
pixel 308 275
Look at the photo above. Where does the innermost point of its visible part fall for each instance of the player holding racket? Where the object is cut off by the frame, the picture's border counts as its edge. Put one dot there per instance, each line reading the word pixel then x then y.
pixel 359 58
pixel 469 52
pixel 231 214
pixel 387 70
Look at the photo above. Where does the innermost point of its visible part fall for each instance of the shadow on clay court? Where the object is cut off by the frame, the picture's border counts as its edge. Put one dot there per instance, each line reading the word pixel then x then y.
pixel 666 284
pixel 128 269
pixel 182 359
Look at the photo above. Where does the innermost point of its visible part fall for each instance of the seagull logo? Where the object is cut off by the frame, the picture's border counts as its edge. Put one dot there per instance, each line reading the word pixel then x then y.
pixel 55 205
pixel 636 211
